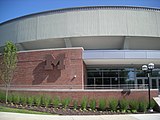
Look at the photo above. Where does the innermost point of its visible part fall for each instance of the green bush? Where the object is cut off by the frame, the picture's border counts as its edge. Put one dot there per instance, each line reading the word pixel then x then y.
pixel 47 101
pixel 56 102
pixel 113 103
pixel 2 96
pixel 38 100
pixel 92 104
pixel 23 99
pixel 30 100
pixel 16 98
pixel 134 105
pixel 102 104
pixel 143 106
pixel 43 98
pixel 123 105
pixel 66 102
pixel 84 103
pixel 75 104
pixel 10 98
pixel 152 104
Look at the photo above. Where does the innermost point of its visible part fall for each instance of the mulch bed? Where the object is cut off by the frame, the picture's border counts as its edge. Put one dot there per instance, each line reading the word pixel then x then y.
pixel 68 111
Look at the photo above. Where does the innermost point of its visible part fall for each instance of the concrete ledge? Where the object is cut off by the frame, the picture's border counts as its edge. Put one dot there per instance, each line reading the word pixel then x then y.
pixel 76 90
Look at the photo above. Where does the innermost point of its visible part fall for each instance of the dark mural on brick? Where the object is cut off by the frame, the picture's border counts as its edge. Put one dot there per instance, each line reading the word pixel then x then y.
pixel 49 70
pixel 52 61
pixel 41 75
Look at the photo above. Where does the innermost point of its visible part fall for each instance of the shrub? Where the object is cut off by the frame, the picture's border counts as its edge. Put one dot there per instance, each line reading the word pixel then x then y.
pixel 56 102
pixel 2 96
pixel 92 104
pixel 66 102
pixel 75 104
pixel 134 105
pixel 123 105
pixel 43 98
pixel 47 101
pixel 102 104
pixel 152 104
pixel 38 100
pixel 143 106
pixel 23 100
pixel 84 103
pixel 113 103
pixel 10 98
pixel 16 98
pixel 30 100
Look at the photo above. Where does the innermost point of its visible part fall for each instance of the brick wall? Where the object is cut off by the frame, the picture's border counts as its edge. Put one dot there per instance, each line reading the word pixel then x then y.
pixel 31 68
pixel 31 71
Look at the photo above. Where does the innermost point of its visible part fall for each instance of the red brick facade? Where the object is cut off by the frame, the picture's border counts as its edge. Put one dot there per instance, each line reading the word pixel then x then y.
pixel 31 73
pixel 31 68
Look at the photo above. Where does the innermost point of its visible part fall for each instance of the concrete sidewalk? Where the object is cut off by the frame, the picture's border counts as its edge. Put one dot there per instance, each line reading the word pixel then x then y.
pixel 19 116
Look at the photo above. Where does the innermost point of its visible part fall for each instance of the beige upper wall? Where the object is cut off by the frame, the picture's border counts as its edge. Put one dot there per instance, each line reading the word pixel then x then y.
pixel 102 22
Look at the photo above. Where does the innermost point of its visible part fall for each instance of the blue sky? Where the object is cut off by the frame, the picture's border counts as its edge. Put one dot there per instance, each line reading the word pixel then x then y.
pixel 10 9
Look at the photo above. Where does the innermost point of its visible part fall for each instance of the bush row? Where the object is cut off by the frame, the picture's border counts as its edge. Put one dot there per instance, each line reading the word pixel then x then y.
pixel 102 105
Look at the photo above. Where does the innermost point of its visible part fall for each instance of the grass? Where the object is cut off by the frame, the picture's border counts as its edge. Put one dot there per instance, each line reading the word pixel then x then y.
pixel 15 110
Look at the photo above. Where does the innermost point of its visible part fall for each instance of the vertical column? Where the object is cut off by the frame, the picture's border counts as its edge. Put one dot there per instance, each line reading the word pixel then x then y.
pixel 126 45
pixel 135 77
pixel 67 42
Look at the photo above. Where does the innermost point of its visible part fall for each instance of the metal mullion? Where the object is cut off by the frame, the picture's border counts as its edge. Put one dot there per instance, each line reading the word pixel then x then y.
pixel 102 79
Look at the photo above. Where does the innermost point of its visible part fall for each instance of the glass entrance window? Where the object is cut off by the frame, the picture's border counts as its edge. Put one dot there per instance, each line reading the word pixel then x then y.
pixel 109 78
pixel 98 83
pixel 90 83
pixel 122 83
pixel 154 83
pixel 114 81
pixel 107 83
pixel 130 78
pixel 146 81
pixel 140 83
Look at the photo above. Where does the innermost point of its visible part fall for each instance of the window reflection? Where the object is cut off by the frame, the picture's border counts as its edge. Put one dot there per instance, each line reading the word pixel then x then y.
pixel 104 78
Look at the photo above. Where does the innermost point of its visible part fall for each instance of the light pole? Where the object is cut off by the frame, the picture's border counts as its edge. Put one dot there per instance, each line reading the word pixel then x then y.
pixel 148 69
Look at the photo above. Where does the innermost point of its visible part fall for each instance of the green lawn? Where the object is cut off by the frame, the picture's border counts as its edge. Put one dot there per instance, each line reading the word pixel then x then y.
pixel 15 110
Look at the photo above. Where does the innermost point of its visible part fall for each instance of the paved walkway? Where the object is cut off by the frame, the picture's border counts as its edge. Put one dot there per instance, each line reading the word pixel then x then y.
pixel 19 116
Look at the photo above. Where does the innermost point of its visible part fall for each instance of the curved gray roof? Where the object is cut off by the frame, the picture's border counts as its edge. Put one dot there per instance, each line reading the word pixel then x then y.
pixel 96 27
pixel 83 8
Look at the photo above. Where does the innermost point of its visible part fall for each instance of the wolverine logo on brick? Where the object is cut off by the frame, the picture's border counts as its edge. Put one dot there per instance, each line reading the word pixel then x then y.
pixel 54 61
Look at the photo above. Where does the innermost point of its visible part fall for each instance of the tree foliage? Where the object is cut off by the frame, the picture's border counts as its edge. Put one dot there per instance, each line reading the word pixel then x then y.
pixel 8 64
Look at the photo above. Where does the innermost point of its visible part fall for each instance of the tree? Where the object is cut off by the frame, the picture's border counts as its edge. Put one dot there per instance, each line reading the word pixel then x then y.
pixel 8 65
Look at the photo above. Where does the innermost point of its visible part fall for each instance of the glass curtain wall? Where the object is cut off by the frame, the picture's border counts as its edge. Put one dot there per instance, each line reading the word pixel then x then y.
pixel 126 78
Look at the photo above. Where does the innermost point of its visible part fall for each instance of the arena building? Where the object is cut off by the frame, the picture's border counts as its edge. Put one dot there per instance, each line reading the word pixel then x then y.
pixel 95 51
